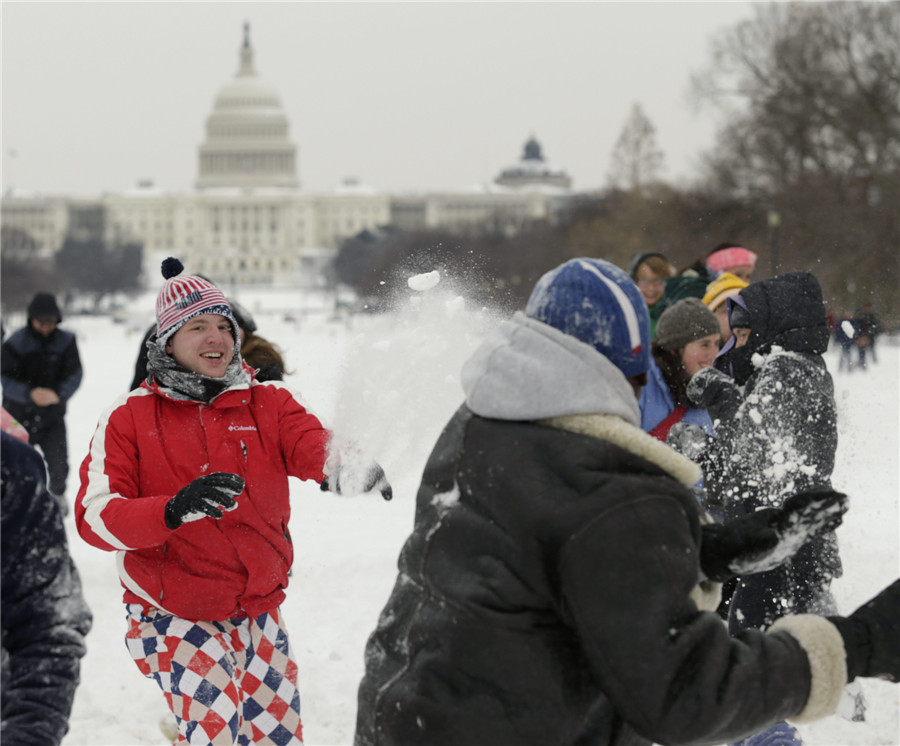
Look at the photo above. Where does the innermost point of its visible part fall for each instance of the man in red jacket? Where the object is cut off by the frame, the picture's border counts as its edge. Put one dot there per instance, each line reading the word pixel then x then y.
pixel 187 480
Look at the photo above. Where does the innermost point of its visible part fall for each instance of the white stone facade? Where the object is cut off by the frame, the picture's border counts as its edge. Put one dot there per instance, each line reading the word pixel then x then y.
pixel 248 222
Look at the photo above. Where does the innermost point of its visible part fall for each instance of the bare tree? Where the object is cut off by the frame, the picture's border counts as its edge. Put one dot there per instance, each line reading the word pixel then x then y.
pixel 636 160
pixel 812 97
pixel 810 89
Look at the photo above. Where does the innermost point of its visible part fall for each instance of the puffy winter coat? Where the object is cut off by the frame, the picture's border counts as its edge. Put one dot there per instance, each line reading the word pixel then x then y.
pixel 30 360
pixel 548 593
pixel 45 617
pixel 148 446
pixel 778 435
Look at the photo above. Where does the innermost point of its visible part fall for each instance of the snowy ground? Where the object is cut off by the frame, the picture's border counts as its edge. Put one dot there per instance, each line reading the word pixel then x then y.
pixel 391 382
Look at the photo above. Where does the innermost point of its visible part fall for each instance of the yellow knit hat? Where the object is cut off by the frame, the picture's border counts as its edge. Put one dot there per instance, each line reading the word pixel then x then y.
pixel 724 286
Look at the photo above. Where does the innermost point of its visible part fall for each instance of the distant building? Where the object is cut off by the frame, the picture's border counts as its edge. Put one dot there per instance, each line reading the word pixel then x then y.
pixel 248 222
pixel 532 170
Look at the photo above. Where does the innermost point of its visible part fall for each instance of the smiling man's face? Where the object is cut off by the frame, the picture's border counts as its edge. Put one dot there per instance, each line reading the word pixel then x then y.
pixel 204 345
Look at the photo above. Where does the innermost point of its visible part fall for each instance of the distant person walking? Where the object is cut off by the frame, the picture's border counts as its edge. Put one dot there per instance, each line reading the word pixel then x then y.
pixel 868 329
pixel 845 337
pixel 41 369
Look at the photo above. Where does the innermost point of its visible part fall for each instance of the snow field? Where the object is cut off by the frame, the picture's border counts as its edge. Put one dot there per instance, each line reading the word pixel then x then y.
pixel 387 384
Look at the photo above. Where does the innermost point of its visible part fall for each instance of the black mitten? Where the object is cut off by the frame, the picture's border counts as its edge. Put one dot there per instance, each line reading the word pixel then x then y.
pixel 763 540
pixel 709 386
pixel 205 496
pixel 872 636
pixel 351 481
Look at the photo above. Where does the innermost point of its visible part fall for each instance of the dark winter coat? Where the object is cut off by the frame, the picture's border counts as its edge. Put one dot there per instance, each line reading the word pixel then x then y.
pixel 30 360
pixel 45 618
pixel 778 435
pixel 549 591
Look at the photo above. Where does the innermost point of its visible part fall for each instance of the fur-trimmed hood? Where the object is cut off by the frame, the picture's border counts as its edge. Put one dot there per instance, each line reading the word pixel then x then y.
pixel 528 371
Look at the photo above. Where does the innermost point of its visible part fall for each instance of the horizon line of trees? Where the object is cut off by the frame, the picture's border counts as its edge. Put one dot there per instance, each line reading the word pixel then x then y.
pixel 806 173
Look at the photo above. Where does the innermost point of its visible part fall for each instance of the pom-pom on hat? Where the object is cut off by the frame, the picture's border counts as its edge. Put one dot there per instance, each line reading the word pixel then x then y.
pixel 182 297
pixel 685 322
pixel 597 303
pixel 724 286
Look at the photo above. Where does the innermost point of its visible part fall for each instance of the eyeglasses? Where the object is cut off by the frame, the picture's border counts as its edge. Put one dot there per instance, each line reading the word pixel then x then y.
pixel 658 282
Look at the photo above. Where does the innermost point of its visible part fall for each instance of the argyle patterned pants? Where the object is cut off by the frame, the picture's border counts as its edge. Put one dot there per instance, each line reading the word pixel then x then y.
pixel 232 682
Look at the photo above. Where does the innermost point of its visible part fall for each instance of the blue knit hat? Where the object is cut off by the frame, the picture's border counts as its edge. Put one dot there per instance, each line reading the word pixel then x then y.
pixel 597 303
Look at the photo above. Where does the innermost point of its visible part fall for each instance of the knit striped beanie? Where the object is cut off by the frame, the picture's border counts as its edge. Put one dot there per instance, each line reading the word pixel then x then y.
pixel 598 304
pixel 182 297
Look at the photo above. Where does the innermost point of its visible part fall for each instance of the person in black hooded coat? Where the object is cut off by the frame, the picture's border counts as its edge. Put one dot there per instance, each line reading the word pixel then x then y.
pixel 45 617
pixel 772 401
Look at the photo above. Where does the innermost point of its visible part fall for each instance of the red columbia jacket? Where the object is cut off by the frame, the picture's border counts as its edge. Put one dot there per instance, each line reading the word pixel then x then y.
pixel 148 446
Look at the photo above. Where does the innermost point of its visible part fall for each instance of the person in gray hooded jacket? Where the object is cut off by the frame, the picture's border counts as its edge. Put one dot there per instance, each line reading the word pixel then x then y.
pixel 553 588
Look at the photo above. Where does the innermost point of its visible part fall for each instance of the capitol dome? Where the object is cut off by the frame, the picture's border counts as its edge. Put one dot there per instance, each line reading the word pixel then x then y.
pixel 532 170
pixel 247 141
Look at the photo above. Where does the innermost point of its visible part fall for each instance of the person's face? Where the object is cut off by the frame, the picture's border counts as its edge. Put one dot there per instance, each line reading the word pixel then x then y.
pixel 651 284
pixel 744 271
pixel 203 345
pixel 721 313
pixel 741 335
pixel 700 353
pixel 43 327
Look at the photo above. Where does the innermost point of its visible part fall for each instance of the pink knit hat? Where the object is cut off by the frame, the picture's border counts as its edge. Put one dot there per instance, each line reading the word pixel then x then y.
pixel 733 256
pixel 183 297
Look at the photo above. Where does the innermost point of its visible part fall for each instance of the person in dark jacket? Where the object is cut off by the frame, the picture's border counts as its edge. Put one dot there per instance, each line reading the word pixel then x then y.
pixel 773 401
pixel 781 429
pixel 551 590
pixel 45 618
pixel 41 369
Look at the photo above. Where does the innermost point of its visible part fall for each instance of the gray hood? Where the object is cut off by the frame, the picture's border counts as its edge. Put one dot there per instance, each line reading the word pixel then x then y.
pixel 527 370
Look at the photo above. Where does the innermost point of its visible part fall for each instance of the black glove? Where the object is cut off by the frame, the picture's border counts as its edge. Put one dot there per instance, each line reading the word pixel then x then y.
pixel 205 496
pixel 763 540
pixel 872 636
pixel 348 481
pixel 708 386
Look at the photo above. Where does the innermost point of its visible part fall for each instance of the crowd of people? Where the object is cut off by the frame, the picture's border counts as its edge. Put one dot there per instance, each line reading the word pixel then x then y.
pixel 640 471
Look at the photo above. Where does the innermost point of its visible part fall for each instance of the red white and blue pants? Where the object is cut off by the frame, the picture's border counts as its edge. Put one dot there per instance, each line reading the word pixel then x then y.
pixel 231 682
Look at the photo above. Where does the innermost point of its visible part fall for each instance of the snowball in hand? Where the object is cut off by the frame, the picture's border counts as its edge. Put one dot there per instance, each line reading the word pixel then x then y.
pixel 424 281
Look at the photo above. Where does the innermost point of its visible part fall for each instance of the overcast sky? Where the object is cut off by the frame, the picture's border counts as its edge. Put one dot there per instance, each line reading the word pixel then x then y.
pixel 403 96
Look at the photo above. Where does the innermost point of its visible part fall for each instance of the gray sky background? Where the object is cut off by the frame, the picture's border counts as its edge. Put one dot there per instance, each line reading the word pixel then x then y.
pixel 403 96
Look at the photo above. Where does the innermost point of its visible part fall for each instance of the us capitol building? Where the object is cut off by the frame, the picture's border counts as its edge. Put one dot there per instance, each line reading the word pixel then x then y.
pixel 247 221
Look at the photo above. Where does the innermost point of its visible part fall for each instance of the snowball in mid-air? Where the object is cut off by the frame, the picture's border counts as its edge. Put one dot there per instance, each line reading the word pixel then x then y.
pixel 425 281
pixel 847 328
